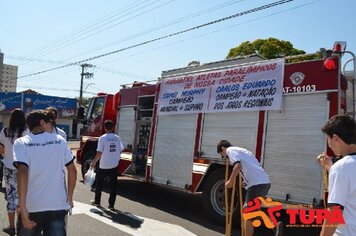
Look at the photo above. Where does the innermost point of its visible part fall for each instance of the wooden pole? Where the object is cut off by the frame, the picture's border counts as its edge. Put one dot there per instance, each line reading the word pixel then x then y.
pixel 241 207
pixel 322 158
pixel 227 230
pixel 325 183
pixel 232 205
pixel 229 208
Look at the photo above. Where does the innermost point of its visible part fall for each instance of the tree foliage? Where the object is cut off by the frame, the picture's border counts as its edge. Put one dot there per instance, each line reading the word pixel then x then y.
pixel 85 101
pixel 269 48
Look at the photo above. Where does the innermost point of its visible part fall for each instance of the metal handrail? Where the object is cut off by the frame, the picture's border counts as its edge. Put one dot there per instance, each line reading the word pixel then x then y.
pixel 353 79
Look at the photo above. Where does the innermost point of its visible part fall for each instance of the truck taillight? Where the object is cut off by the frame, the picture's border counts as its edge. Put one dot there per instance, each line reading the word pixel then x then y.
pixel 330 64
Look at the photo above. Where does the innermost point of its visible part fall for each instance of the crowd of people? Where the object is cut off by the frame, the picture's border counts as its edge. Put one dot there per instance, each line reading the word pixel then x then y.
pixel 36 159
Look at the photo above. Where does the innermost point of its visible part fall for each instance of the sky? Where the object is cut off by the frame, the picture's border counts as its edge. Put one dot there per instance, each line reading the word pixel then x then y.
pixel 136 40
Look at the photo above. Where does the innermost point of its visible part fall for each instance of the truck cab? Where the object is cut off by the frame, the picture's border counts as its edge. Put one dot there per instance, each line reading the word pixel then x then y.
pixel 101 108
pixel 131 110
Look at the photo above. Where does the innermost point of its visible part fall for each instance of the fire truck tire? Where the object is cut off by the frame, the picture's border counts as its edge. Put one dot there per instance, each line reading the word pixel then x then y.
pixel 87 159
pixel 214 198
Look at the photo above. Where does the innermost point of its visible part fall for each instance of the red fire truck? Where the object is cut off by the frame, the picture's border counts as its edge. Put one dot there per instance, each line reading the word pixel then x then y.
pixel 171 140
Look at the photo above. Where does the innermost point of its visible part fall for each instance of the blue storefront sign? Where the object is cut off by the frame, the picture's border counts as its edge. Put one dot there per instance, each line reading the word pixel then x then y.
pixel 9 101
pixel 66 106
pixel 27 102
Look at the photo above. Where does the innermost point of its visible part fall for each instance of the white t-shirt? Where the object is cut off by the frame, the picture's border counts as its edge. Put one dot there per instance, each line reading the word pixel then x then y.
pixel 59 131
pixel 252 172
pixel 7 142
pixel 110 145
pixel 342 191
pixel 45 155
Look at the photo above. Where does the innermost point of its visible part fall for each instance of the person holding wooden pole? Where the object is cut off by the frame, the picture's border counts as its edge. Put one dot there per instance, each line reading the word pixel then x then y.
pixel 340 133
pixel 229 209
pixel 256 180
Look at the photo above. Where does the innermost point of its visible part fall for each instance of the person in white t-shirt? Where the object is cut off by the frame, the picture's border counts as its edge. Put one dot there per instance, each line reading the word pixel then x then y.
pixel 44 196
pixel 16 129
pixel 256 180
pixel 108 151
pixel 340 132
pixel 53 115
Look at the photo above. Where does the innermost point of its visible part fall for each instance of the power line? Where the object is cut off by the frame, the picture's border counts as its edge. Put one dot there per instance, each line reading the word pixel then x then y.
pixel 86 34
pixel 58 89
pixel 164 37
pixel 180 41
pixel 132 75
pixel 86 27
pixel 178 20
pixel 136 76
pixel 50 88
pixel 167 45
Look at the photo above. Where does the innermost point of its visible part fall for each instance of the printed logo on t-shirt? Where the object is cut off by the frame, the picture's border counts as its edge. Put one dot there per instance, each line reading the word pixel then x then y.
pixel 43 144
pixel 112 147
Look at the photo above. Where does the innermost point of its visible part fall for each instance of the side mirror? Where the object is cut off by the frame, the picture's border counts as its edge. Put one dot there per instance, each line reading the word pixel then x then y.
pixel 81 113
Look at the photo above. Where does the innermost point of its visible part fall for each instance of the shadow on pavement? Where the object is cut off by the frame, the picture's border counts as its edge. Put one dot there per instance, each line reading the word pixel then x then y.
pixel 119 217
pixel 181 204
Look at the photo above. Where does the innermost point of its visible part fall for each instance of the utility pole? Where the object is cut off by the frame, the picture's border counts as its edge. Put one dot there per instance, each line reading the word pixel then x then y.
pixel 87 75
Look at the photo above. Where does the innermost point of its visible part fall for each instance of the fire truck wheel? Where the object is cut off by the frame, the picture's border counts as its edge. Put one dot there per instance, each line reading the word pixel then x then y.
pixel 87 159
pixel 214 198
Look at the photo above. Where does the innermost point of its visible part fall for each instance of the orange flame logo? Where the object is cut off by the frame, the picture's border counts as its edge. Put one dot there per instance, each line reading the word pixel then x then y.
pixel 254 210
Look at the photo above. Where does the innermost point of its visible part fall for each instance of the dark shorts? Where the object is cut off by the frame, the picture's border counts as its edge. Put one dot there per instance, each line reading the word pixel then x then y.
pixel 259 190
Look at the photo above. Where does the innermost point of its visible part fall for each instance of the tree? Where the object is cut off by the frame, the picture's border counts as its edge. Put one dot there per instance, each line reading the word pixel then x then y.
pixel 85 101
pixel 269 48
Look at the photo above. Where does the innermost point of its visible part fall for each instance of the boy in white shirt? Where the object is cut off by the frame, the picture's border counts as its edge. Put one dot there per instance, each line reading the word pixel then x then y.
pixel 341 137
pixel 44 197
pixel 256 180
pixel 108 151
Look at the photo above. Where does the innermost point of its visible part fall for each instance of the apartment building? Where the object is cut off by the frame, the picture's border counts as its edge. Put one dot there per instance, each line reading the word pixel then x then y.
pixel 8 76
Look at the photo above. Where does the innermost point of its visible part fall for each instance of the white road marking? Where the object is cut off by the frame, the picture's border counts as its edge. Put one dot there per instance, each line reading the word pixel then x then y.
pixel 148 227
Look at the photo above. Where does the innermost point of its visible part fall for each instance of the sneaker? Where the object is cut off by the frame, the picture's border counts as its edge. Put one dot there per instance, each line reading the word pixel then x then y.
pixel 8 230
pixel 111 207
pixel 94 203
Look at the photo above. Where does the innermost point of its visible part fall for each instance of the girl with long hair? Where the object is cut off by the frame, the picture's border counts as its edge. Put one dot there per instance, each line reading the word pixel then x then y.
pixel 16 129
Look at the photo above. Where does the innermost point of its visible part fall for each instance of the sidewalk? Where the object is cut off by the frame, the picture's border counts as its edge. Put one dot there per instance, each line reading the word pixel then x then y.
pixel 73 144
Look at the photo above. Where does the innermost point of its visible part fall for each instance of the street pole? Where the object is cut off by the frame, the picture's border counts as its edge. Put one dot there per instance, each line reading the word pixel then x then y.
pixel 82 75
pixel 81 86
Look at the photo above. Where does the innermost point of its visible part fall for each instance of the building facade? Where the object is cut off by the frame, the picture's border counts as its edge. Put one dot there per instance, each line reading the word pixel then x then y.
pixel 8 76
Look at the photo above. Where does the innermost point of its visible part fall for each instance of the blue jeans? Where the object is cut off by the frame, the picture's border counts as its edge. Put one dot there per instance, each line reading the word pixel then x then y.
pixel 48 223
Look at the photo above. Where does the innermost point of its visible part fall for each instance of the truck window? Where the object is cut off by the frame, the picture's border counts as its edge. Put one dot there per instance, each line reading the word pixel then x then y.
pixel 96 108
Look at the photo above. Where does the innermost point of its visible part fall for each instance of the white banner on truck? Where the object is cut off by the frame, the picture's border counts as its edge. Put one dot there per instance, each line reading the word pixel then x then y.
pixel 250 87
